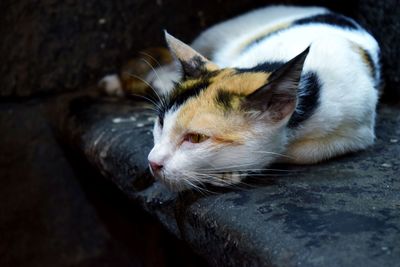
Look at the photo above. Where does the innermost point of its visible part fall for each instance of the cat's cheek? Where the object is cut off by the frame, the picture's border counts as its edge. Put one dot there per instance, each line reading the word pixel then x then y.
pixel 187 146
pixel 156 131
pixel 192 146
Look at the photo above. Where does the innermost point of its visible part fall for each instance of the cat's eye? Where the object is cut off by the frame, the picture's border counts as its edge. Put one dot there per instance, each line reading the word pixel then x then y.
pixel 195 138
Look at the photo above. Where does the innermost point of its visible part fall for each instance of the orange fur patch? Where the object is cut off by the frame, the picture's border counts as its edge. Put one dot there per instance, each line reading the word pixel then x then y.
pixel 201 114
pixel 262 34
pixel 364 57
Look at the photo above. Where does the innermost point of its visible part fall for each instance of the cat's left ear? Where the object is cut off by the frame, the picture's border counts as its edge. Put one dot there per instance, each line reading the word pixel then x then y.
pixel 278 98
pixel 193 63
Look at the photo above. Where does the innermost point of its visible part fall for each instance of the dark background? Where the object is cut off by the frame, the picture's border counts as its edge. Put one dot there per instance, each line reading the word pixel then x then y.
pixel 55 210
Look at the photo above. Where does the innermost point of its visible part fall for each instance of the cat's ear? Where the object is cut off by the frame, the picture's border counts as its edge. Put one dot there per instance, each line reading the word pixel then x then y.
pixel 193 63
pixel 278 98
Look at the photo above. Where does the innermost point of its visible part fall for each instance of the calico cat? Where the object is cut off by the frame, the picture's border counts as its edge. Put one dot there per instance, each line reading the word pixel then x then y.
pixel 278 84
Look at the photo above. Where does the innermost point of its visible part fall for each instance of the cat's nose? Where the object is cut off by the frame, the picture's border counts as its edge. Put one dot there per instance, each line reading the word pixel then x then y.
pixel 155 166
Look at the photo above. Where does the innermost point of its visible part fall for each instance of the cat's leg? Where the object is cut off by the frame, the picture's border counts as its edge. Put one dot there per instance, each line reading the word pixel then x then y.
pixel 309 151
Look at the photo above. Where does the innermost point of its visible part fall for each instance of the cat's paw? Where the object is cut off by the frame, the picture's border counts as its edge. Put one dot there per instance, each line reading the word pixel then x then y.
pixel 111 85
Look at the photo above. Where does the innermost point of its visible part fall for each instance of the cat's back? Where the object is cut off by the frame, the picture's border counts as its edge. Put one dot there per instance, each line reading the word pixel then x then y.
pixel 337 106
pixel 343 56
pixel 278 33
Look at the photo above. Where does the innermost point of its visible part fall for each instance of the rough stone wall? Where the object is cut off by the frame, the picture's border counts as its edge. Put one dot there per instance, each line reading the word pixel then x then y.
pixel 382 18
pixel 56 46
pixel 53 46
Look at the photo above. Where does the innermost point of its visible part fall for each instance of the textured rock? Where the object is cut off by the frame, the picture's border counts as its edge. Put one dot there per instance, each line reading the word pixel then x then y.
pixel 382 19
pixel 345 212
pixel 51 46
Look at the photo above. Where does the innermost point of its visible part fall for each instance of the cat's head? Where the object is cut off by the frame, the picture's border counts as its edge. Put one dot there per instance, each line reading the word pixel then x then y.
pixel 218 124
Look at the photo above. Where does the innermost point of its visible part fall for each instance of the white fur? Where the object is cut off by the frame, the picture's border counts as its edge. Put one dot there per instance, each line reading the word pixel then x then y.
pixel 343 122
pixel 186 164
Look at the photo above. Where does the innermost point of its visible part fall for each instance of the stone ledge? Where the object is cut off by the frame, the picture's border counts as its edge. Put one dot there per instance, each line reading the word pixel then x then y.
pixel 345 212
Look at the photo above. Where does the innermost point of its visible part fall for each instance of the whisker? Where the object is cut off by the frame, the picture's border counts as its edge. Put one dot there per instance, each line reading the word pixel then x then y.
pixel 273 153
pixel 194 185
pixel 236 185
pixel 196 176
pixel 150 56
pixel 227 167
pixel 148 99
pixel 158 77
pixel 250 170
pixel 161 100
pixel 218 180
pixel 140 78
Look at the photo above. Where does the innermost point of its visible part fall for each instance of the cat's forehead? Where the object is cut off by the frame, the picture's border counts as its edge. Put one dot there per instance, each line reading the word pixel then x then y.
pixel 237 79
pixel 203 103
pixel 218 87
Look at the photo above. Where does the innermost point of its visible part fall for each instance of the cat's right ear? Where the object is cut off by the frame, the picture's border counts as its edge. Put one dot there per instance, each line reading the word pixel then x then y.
pixel 193 63
pixel 278 98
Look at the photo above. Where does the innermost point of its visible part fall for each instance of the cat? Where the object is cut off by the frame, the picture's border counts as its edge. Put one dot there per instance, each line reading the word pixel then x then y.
pixel 278 84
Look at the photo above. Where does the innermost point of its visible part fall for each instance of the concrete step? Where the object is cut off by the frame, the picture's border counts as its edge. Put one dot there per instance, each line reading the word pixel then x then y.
pixel 345 212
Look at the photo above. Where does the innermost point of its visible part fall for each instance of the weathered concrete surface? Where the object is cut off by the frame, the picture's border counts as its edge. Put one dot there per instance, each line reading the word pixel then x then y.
pixel 345 212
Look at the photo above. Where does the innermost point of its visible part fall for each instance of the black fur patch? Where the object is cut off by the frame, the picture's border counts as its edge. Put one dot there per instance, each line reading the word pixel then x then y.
pixel 224 99
pixel 181 95
pixel 330 19
pixel 308 99
pixel 193 68
pixel 262 67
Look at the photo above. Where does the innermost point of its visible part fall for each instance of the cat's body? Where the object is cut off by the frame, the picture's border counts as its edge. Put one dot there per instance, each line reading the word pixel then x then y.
pixel 252 105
